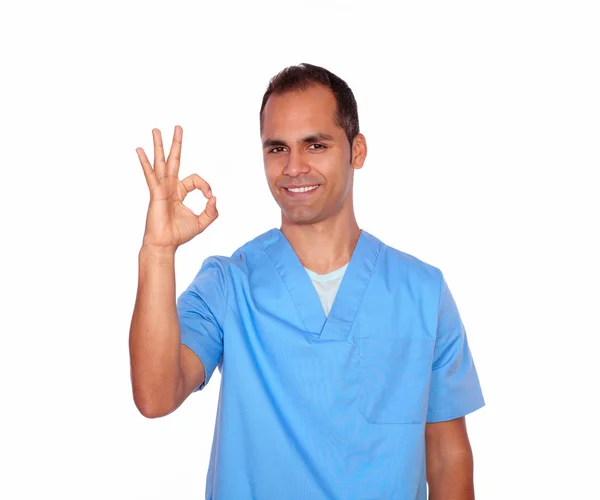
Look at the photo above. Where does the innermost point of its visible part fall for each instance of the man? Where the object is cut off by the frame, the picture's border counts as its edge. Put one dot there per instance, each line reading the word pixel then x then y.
pixel 346 372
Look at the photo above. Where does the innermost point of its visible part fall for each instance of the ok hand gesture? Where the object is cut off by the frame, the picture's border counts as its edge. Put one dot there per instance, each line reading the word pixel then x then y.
pixel 169 223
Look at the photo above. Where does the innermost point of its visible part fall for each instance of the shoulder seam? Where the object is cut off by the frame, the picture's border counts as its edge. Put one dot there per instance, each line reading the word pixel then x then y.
pixel 225 271
pixel 440 294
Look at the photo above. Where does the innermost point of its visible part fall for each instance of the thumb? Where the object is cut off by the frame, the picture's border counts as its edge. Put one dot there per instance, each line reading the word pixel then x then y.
pixel 210 213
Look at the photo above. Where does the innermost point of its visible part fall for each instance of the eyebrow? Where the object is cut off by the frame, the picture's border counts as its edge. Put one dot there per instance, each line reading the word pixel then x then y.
pixel 320 136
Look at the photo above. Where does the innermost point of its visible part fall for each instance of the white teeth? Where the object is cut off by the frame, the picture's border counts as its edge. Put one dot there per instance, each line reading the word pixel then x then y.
pixel 303 189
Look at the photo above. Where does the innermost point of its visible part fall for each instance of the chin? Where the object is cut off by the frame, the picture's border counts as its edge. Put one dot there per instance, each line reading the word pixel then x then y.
pixel 302 217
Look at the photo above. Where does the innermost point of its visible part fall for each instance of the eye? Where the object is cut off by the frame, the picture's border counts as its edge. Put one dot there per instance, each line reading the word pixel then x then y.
pixel 318 146
pixel 276 148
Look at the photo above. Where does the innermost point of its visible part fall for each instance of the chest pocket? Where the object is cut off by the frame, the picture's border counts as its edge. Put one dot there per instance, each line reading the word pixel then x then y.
pixel 395 376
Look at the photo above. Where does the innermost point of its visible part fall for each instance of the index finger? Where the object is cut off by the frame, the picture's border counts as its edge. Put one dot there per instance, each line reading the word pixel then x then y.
pixel 194 181
pixel 174 158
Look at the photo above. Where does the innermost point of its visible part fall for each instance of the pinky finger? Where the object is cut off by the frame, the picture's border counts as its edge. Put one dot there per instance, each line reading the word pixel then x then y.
pixel 151 179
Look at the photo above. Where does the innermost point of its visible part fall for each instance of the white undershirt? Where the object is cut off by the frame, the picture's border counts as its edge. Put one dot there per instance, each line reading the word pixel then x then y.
pixel 327 285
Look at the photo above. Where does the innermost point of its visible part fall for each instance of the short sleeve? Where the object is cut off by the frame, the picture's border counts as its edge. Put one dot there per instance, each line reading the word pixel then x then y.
pixel 455 390
pixel 201 311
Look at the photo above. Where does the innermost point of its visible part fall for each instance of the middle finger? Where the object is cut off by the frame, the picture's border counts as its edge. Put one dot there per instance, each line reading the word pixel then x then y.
pixel 175 153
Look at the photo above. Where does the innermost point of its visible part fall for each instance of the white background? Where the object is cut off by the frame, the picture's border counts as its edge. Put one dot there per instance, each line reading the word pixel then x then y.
pixel 482 121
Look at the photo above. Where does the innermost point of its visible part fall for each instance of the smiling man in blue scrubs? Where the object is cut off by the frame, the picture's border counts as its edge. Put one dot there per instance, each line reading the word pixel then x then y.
pixel 345 368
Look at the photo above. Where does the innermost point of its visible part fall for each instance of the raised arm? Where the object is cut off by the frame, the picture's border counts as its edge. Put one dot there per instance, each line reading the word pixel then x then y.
pixel 163 371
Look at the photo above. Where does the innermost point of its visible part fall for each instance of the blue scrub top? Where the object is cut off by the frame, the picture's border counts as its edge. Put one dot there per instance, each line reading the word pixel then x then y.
pixel 315 407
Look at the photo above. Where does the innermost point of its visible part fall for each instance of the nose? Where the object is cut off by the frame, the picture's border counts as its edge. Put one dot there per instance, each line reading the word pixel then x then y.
pixel 297 164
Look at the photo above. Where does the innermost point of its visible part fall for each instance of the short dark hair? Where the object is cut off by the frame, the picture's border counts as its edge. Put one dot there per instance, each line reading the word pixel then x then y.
pixel 301 76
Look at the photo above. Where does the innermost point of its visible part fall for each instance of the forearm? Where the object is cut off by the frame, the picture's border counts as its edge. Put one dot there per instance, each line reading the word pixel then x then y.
pixel 154 337
pixel 451 478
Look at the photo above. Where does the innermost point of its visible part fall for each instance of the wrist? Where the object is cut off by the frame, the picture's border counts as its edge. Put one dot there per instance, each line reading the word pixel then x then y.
pixel 157 254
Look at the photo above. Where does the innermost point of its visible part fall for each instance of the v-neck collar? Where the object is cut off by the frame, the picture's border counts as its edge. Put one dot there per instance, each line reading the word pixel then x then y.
pixel 337 325
pixel 333 275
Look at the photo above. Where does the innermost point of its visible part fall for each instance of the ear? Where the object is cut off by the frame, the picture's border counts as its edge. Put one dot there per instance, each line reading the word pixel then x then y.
pixel 359 151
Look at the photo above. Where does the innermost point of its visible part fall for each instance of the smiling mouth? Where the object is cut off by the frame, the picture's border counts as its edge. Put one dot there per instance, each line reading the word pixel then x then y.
pixel 305 189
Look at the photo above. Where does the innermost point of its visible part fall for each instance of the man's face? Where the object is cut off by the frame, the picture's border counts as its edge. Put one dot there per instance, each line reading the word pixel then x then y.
pixel 304 147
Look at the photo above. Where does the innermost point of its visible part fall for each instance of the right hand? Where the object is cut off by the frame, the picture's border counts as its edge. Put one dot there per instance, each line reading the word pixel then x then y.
pixel 169 223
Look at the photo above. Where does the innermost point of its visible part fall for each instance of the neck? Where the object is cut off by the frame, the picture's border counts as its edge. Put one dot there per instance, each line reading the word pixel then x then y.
pixel 324 246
